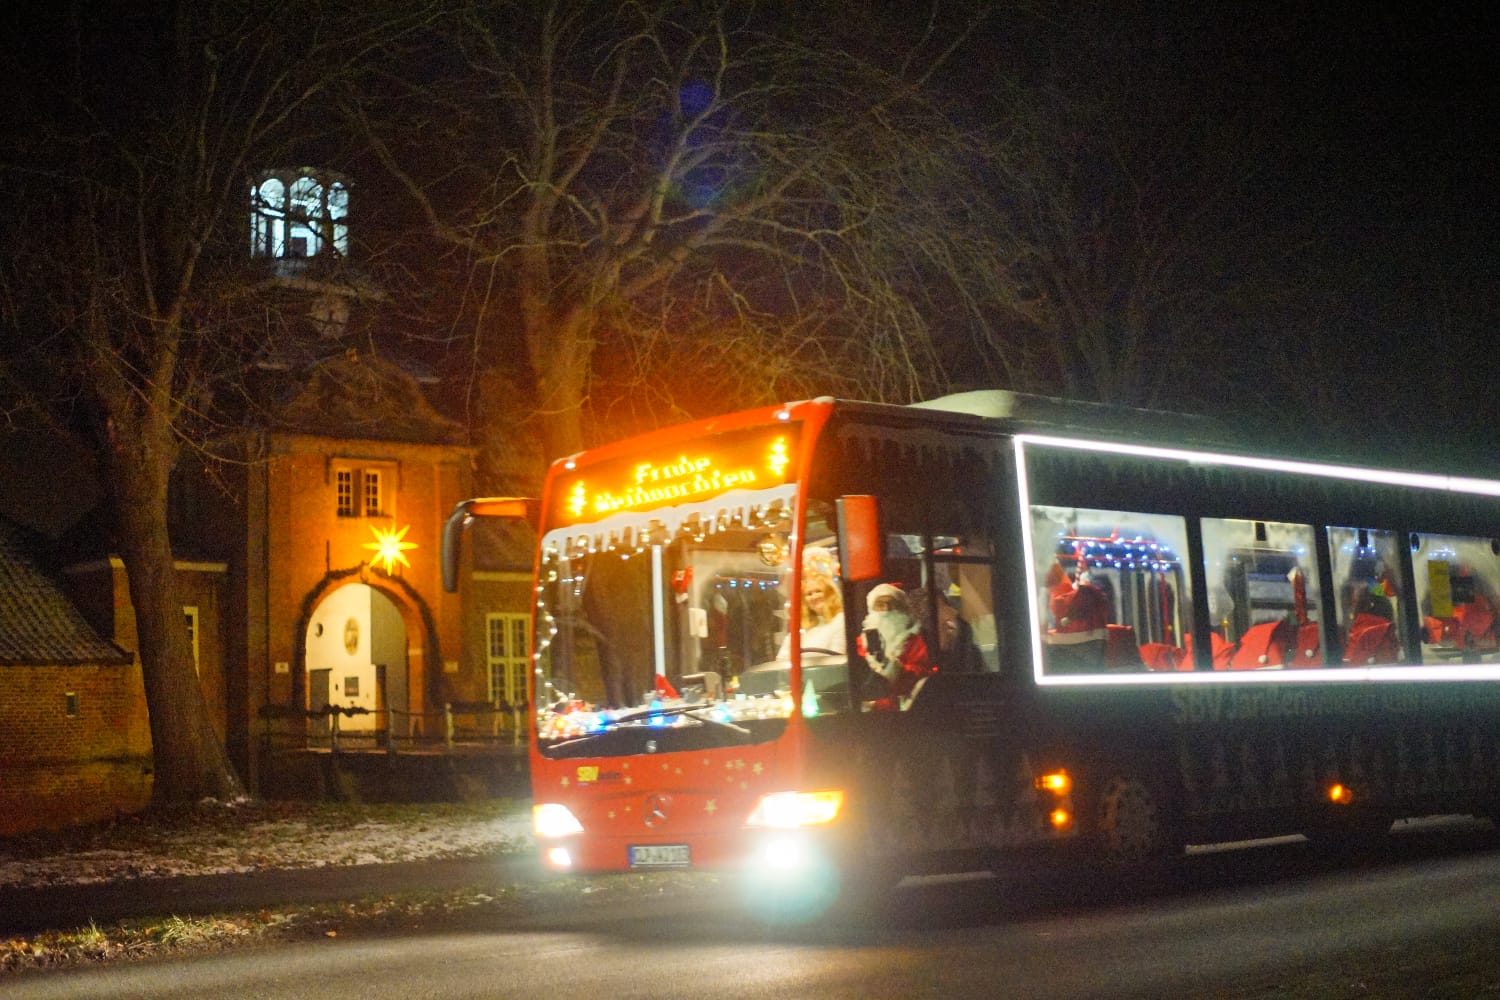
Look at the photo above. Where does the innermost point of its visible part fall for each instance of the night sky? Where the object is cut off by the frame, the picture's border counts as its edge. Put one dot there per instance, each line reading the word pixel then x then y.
pixel 1369 133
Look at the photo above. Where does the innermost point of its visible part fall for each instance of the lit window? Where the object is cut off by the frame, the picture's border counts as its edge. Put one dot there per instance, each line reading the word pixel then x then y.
pixel 1457 582
pixel 1263 591
pixel 372 504
pixel 361 492
pixel 294 214
pixel 1112 591
pixel 1366 566
pixel 507 658
pixel 190 619
pixel 304 218
pixel 344 480
pixel 338 208
pixel 267 218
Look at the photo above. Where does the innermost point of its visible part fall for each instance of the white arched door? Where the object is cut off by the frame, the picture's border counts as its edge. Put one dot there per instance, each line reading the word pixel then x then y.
pixel 356 658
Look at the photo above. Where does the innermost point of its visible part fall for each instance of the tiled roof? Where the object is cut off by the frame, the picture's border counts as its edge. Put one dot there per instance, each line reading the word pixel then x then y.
pixel 363 396
pixel 39 625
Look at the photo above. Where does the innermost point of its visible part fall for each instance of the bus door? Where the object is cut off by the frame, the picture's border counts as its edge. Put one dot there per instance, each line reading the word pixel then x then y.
pixel 942 764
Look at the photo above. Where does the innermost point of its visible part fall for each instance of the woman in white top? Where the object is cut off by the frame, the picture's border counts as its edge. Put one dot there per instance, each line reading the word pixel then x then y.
pixel 822 605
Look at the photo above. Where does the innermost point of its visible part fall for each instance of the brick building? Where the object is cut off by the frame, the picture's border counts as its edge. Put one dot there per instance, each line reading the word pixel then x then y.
pixel 313 613
pixel 290 601
pixel 75 745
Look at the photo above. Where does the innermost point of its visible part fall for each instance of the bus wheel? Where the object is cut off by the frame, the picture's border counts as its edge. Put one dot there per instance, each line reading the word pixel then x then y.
pixel 1133 826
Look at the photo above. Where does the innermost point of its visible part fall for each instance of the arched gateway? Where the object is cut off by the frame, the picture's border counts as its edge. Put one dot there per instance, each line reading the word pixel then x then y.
pixel 364 644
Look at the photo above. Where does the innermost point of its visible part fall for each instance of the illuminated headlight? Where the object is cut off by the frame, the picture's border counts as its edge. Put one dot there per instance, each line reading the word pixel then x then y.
pixel 550 820
pixel 785 854
pixel 789 810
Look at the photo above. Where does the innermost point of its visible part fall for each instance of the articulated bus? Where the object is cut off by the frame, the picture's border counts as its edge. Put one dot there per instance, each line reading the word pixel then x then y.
pixel 1125 637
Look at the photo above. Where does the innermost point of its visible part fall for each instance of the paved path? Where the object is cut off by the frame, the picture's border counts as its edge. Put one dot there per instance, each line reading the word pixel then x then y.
pixel 29 910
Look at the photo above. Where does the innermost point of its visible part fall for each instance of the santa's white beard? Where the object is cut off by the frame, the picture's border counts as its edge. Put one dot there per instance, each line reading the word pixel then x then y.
pixel 894 629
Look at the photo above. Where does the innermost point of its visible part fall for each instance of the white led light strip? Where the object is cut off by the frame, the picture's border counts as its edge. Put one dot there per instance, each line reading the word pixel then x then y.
pixel 1321 675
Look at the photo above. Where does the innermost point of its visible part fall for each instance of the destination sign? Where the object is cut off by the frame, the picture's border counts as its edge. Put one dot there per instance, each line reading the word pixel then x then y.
pixel 692 470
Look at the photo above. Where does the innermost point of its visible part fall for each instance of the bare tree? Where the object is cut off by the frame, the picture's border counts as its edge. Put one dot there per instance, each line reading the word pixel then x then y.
pixel 125 273
pixel 1132 248
pixel 669 208
pixel 1134 189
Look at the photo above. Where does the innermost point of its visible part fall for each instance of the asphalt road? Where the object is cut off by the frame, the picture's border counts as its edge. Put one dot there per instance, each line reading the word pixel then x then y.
pixel 1221 925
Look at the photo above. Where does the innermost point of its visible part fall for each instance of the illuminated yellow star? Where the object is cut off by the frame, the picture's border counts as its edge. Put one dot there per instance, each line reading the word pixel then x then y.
pixel 577 499
pixel 389 549
pixel 777 458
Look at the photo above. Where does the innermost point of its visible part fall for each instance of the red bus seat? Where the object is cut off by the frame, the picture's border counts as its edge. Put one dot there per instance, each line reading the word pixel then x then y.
pixel 1162 657
pixel 1309 651
pixel 1222 651
pixel 1476 624
pixel 1372 639
pixel 1262 645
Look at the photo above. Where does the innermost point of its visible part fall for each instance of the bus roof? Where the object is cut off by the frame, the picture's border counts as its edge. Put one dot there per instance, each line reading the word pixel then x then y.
pixel 1019 412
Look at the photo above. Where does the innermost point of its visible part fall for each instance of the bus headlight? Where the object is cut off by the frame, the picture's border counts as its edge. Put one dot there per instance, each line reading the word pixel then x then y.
pixel 791 810
pixel 550 820
pixel 783 855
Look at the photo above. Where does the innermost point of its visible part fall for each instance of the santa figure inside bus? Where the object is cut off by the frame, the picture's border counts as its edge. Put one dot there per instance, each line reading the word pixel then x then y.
pixel 892 645
pixel 1078 613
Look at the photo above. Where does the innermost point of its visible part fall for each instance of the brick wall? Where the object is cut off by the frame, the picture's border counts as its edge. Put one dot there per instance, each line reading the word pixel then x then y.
pixel 58 769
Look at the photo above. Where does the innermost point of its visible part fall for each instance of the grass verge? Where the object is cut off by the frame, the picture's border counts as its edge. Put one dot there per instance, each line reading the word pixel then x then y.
pixel 172 936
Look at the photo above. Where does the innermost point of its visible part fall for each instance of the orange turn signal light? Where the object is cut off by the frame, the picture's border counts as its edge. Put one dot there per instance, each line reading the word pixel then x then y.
pixel 1057 782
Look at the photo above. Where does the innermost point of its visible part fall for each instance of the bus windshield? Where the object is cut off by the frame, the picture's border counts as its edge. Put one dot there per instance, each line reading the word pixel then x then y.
pixel 647 622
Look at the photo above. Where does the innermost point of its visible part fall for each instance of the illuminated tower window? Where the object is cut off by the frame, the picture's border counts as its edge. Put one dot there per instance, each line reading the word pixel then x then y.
pixel 299 214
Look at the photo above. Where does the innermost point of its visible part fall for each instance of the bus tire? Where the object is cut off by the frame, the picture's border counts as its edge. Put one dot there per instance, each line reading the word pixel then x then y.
pixel 1133 823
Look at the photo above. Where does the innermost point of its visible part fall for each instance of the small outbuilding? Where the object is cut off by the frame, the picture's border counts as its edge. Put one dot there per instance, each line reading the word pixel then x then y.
pixel 75 740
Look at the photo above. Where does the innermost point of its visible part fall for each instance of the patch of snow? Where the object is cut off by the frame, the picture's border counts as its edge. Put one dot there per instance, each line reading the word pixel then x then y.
pixel 272 844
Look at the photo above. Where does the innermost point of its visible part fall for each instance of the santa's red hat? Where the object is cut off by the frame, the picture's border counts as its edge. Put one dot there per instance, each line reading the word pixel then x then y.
pixel 892 593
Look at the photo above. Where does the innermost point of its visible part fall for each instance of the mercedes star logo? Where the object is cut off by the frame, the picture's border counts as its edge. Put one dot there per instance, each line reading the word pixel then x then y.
pixel 655 809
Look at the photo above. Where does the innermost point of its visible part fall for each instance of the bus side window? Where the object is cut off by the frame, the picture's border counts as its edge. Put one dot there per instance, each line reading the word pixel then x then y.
pixel 1458 596
pixel 1366 604
pixel 1112 591
pixel 962 616
pixel 1263 594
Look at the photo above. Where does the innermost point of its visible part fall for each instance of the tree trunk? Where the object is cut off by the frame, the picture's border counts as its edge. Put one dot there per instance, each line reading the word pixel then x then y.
pixel 561 353
pixel 190 760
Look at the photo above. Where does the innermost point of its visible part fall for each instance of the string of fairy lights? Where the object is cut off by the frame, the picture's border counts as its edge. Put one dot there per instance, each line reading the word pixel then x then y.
pixel 1140 552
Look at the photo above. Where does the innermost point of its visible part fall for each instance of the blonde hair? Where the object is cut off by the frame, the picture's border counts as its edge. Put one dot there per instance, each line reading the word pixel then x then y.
pixel 818 564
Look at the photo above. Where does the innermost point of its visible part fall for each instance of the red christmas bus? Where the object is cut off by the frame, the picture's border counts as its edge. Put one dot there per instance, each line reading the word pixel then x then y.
pixel 836 639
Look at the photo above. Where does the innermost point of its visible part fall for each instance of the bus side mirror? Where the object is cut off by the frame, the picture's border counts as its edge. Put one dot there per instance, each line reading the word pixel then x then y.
pixel 453 534
pixel 512 508
pixel 859 537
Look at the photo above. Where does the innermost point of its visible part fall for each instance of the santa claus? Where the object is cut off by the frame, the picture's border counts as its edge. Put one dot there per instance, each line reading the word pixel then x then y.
pixel 892 644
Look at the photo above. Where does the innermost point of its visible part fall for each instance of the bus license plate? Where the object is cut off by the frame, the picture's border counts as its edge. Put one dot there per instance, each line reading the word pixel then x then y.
pixel 659 856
